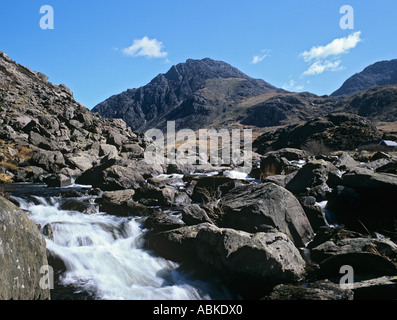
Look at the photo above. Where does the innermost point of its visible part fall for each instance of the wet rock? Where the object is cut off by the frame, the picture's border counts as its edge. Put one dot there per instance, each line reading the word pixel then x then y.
pixel 161 221
pixel 121 203
pixel 58 180
pixel 48 231
pixel 71 204
pixel 313 212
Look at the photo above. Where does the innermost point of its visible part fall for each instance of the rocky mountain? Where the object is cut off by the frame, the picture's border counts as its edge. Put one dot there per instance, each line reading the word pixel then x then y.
pixel 203 93
pixel 378 74
pixel 193 94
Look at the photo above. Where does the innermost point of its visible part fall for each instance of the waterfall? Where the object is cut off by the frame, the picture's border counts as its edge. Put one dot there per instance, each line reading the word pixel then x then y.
pixel 104 257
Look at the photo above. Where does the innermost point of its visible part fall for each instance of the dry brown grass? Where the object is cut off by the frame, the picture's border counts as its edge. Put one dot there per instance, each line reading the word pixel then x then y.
pixel 4 178
pixel 9 166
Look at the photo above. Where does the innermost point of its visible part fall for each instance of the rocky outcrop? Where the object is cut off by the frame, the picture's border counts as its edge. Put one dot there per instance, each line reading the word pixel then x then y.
pixel 44 131
pixel 22 256
pixel 340 131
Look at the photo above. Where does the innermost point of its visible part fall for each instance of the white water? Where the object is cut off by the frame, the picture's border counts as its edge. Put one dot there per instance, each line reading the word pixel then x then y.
pixel 103 256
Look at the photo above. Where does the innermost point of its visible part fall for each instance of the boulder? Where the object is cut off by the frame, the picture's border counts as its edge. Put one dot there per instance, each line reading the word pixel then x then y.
pixel 22 256
pixel 108 150
pixel 82 162
pixel 273 164
pixel 366 198
pixel 363 263
pixel 194 214
pixel 332 248
pixel 367 181
pixel 58 181
pixel 121 203
pixel 118 174
pixel 161 221
pixel 263 207
pixel 261 258
pixel 83 206
pixel 206 188
pixel 345 161
pixel 291 154
pixel 382 288
pixel 50 161
pixel 312 179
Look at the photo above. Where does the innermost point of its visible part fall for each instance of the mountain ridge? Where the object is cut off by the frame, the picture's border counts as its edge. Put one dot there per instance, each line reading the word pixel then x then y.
pixel 377 74
pixel 184 89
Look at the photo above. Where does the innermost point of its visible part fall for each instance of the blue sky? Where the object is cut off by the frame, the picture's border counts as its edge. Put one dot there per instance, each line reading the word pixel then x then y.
pixel 100 48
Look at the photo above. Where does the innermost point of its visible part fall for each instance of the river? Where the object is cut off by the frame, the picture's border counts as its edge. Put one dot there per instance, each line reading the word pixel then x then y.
pixel 102 256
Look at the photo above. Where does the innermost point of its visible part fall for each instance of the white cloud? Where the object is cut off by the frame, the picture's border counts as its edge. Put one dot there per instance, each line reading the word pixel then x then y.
pixel 319 67
pixel 292 86
pixel 335 47
pixel 145 47
pixel 327 58
pixel 264 54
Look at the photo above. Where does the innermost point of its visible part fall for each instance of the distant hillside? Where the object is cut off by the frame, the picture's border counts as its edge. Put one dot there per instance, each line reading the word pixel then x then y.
pixel 378 74
pixel 377 104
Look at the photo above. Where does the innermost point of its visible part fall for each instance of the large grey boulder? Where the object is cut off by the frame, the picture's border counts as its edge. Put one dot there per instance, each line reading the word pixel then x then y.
pixel 22 255
pixel 267 257
pixel 312 179
pixel 117 174
pixel 266 207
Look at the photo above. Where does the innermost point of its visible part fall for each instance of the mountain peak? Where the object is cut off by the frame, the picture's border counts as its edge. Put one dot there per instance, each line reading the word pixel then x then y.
pixel 204 69
pixel 191 93
pixel 378 74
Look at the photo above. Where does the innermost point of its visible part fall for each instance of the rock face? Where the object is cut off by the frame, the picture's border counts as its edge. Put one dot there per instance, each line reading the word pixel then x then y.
pixel 378 74
pixel 22 255
pixel 266 207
